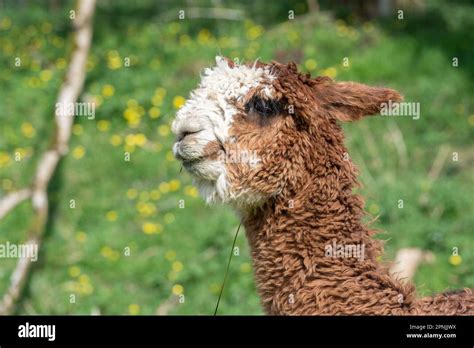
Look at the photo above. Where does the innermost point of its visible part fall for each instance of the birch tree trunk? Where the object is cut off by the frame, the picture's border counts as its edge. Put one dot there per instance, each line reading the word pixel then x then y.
pixel 63 121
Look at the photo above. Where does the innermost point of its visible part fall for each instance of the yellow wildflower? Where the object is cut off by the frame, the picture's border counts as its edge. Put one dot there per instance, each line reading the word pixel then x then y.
pixel 133 309
pixel 191 191
pixel 455 260
pixel 170 156
pixel 132 193
pixel 177 266
pixel 177 289
pixel 103 125
pixel 178 101
pixel 74 271
pixel 164 130
pixel 77 129
pixel 28 130
pixel 374 209
pixel 170 255
pixel 81 237
pixel 154 112
pixel 149 228
pixel 116 140
pixel 169 218
pixel 174 185
pixel 310 64
pixel 111 215
pixel 78 152
pixel 245 267
pixel 4 159
pixel 155 195
pixel 46 75
pixel 254 32
pixel 140 139
pixel 108 91
pixel 164 187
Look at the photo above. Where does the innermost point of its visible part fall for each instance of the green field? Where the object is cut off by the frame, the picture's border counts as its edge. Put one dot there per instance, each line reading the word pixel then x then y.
pixel 121 206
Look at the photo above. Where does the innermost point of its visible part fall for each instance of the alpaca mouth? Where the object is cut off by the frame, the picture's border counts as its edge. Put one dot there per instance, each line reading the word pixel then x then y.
pixel 203 168
pixel 188 164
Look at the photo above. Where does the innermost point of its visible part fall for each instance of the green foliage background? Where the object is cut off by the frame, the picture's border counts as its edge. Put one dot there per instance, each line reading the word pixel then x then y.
pixel 135 204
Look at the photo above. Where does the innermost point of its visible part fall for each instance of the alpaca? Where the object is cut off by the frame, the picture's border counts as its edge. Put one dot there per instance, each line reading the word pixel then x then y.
pixel 265 139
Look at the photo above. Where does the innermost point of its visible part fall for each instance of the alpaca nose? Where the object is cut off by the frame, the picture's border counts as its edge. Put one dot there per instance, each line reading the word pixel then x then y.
pixel 187 146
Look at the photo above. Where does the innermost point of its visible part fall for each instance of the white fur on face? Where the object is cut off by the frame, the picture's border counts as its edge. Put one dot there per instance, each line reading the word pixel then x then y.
pixel 207 116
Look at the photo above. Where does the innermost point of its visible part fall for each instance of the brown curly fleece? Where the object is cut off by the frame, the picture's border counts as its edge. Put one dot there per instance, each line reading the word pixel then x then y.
pixel 308 180
pixel 316 207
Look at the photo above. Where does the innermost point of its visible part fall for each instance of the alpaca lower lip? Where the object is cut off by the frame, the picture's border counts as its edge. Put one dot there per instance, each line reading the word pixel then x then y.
pixel 193 161
pixel 192 167
pixel 203 168
pixel 190 164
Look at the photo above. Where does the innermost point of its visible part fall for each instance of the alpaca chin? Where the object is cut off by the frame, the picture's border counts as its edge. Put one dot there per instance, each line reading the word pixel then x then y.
pixel 219 192
pixel 213 191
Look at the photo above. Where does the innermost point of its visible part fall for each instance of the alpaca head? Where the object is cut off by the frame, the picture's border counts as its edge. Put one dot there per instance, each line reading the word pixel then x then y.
pixel 249 133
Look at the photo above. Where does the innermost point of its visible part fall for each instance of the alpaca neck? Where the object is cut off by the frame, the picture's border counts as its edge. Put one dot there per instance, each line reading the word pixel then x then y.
pixel 313 255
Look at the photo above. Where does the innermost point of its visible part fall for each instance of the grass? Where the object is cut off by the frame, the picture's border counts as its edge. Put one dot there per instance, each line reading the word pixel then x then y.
pixel 129 244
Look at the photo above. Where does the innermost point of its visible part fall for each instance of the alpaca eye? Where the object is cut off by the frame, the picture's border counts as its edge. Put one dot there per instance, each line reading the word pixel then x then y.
pixel 263 107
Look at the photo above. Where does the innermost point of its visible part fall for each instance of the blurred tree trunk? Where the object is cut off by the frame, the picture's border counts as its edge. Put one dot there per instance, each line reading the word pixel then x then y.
pixel 54 5
pixel 385 7
pixel 313 5
pixel 68 94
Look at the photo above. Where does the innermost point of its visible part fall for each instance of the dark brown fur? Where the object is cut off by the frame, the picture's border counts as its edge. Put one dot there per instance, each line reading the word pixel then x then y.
pixel 306 180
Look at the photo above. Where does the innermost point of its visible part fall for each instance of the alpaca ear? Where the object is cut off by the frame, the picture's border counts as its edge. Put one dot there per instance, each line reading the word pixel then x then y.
pixel 349 101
